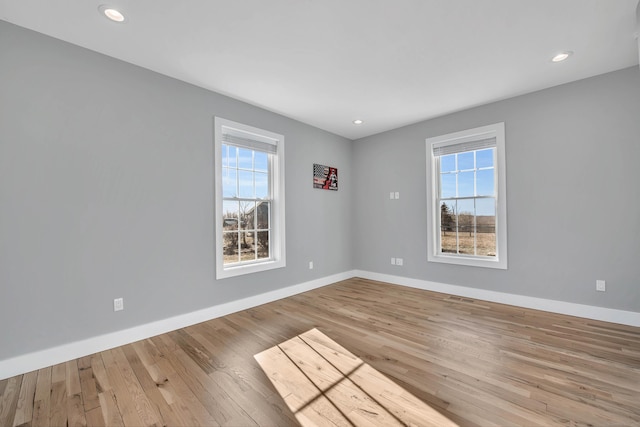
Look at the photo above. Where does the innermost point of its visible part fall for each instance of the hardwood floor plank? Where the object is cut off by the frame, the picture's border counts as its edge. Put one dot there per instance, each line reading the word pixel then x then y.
pixel 75 410
pixel 9 400
pixel 195 350
pixel 42 401
pixel 109 408
pixel 100 375
pixel 76 416
pixel 24 407
pixel 123 401
pixel 94 417
pixel 240 366
pixel 72 376
pixel 190 401
pixel 3 385
pixel 255 409
pixel 211 394
pixel 475 362
pixel 303 397
pixel 150 387
pixel 88 383
pixel 144 408
pixel 59 401
pixel 58 373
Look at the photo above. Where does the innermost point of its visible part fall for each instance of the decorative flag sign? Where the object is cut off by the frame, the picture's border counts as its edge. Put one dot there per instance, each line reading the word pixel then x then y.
pixel 325 177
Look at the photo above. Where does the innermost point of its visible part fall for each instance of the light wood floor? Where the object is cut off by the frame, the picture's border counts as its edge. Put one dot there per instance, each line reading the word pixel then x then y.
pixel 476 363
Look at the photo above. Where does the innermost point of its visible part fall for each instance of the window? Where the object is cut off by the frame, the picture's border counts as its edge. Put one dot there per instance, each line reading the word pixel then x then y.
pixel 249 188
pixel 466 198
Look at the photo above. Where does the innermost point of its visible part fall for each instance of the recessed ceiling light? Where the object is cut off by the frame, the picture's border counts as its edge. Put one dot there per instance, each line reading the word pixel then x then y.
pixel 111 13
pixel 358 122
pixel 561 56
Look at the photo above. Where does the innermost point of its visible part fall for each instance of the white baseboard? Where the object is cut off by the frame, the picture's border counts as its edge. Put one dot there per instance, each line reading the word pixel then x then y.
pixel 48 357
pixel 630 318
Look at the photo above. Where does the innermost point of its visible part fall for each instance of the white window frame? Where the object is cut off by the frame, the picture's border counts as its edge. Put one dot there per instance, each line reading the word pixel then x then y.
pixel 433 208
pixel 276 183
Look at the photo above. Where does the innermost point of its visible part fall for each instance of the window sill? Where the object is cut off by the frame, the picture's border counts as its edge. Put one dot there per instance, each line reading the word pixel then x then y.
pixel 241 270
pixel 486 262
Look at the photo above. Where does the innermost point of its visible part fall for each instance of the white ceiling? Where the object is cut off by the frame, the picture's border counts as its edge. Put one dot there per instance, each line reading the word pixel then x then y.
pixel 328 62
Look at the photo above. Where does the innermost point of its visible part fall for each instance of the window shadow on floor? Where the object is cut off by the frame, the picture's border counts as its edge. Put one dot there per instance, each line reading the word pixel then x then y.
pixel 322 383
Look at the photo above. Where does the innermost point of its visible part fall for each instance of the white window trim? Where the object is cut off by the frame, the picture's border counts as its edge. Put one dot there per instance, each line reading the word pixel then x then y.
pixel 277 239
pixel 500 260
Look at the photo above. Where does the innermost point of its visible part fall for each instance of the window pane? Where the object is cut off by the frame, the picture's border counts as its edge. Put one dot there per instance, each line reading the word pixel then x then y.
pixel 485 183
pixel 245 184
pixel 263 220
pixel 230 247
pixel 448 163
pixel 230 235
pixel 230 216
pixel 486 227
pixel 263 244
pixel 261 160
pixel 247 215
pixel 465 161
pixel 486 207
pixel 448 227
pixel 484 158
pixel 466 227
pixel 262 185
pixel 245 158
pixel 447 216
pixel 465 184
pixel 247 248
pixel 229 183
pixel 448 185
pixel 232 154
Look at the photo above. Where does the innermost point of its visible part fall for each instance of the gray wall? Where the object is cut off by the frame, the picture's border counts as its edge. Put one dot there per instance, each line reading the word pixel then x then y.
pixel 573 168
pixel 106 190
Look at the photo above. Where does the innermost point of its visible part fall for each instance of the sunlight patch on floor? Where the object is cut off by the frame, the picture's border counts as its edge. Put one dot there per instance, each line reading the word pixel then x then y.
pixel 324 384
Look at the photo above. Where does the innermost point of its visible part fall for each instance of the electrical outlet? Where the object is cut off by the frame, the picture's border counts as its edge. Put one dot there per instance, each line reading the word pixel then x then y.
pixel 310 265
pixel 601 286
pixel 392 195
pixel 118 304
pixel 399 261
pixel 397 195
